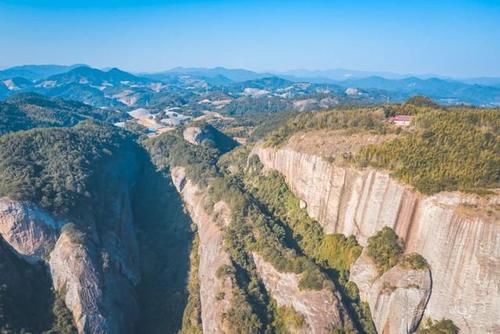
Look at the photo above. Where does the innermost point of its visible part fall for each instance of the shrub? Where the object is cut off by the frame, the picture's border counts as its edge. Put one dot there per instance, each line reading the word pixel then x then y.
pixel 224 271
pixel 385 248
pixel 311 279
pixel 63 320
pixel 414 261
pixel 444 326
pixel 288 320
pixel 241 318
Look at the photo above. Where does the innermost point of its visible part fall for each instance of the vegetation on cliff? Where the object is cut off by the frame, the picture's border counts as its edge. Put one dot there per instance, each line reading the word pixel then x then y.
pixel 251 230
pixel 445 149
pixel 333 253
pixel 90 175
pixel 191 320
pixel 27 303
pixel 444 326
pixel 385 248
pixel 456 149
pixel 54 167
pixel 356 119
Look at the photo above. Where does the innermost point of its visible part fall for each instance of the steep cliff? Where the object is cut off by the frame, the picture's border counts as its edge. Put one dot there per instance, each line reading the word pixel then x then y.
pixel 397 298
pixel 458 234
pixel 320 308
pixel 215 289
pixel 72 213
pixel 88 274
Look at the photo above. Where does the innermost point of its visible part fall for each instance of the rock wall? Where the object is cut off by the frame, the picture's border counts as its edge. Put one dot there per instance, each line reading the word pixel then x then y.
pixel 30 231
pixel 397 298
pixel 458 234
pixel 320 309
pixel 74 272
pixel 96 274
pixel 215 292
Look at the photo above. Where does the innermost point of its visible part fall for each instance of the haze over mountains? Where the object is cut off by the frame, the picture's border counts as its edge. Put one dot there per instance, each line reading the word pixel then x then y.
pixel 292 90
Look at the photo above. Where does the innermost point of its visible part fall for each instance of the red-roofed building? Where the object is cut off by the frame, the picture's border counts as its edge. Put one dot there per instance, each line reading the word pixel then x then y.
pixel 401 120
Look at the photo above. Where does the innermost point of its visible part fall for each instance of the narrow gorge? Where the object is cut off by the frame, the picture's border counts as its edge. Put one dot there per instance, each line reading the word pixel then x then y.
pixel 313 226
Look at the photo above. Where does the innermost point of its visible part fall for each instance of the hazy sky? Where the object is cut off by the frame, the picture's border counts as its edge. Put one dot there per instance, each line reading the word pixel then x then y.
pixel 456 38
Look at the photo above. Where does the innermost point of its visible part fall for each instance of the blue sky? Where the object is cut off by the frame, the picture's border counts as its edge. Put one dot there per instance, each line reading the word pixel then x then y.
pixel 456 38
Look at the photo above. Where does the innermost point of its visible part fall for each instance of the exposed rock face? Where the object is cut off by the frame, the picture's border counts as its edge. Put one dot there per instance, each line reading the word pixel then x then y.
pixel 397 298
pixel 215 292
pixel 319 308
pixel 461 244
pixel 99 295
pixel 28 229
pixel 74 271
pixel 194 135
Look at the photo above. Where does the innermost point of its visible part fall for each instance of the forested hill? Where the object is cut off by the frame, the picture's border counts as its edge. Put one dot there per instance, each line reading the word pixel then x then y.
pixel 441 149
pixel 54 167
pixel 30 110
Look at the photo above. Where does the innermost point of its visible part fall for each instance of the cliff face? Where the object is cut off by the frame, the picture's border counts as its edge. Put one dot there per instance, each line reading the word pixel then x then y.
pixel 30 231
pixel 397 298
pixel 320 308
pixel 215 292
pixel 96 273
pixel 458 234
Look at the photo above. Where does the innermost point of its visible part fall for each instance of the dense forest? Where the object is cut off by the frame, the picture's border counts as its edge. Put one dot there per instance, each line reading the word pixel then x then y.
pixel 444 149
pixel 456 149
pixel 54 167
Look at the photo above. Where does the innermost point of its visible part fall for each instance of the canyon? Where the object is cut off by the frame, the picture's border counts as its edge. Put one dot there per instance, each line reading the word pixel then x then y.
pixel 118 258
pixel 457 233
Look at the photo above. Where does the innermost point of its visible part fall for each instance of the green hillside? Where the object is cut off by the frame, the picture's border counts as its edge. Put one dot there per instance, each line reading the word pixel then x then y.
pixel 30 110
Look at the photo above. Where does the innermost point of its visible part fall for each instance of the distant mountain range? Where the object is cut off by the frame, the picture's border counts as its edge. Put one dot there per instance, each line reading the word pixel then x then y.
pixel 234 75
pixel 35 72
pixel 226 89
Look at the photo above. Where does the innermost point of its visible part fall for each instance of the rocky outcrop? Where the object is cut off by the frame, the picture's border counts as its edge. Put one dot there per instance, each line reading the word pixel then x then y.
pixel 95 272
pixel 458 234
pixel 74 272
pixel 397 299
pixel 215 290
pixel 194 135
pixel 320 308
pixel 29 230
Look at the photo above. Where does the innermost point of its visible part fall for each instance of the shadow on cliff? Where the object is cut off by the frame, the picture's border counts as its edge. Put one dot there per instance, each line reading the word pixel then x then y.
pixel 25 294
pixel 164 236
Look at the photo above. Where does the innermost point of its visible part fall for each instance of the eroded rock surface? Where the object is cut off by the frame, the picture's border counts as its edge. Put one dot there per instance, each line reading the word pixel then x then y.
pixel 458 234
pixel 31 231
pixel 74 272
pixel 320 308
pixel 397 299
pixel 215 292
pixel 95 273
